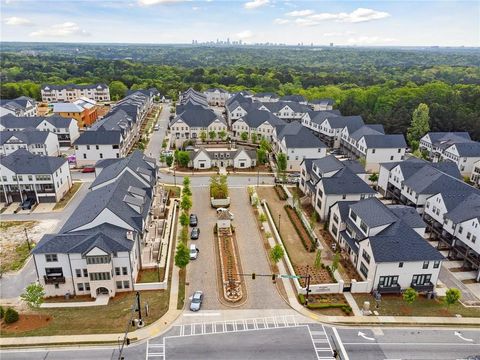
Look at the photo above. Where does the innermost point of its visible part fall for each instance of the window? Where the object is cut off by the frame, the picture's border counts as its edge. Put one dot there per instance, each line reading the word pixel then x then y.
pixel 391 157
pixel 364 227
pixel 88 147
pixel 366 256
pixel 319 203
pixel 119 285
pixel 51 257
pixel 87 286
pixel 425 264
pixel 400 264
pixel 353 216
pixel 114 146
pixel 344 196
pixel 320 193
pixel 335 218
pixel 80 286
pixel 474 238
pixel 334 230
pixel 126 285
pixel 98 259
pixel 101 156
pixel 85 272
pixel 78 272
pixel 100 276
pixel 469 235
pixel 97 147
pixel 373 151
pixel 117 271
pixel 363 269
pixel 436 264
pixel 124 270
pixel 460 229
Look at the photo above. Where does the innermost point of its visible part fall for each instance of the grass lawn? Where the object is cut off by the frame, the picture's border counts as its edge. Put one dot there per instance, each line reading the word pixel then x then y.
pixel 14 255
pixel 394 305
pixel 16 259
pixel 96 319
pixel 4 225
pixel 73 190
pixel 151 275
pixel 181 289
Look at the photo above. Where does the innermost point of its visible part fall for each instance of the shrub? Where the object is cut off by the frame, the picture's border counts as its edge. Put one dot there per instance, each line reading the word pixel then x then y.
pixel 309 247
pixel 301 299
pixel 2 312
pixel 326 306
pixel 11 316
pixel 280 192
pixel 262 218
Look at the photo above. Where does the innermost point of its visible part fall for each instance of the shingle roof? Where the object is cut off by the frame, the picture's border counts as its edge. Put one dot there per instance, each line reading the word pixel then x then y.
pixel 438 137
pixel 323 101
pixel 345 182
pixel 74 86
pixel 27 136
pixel 385 141
pixel 105 137
pixel 373 212
pixel 255 118
pixel 295 98
pixel 22 122
pixel 407 214
pixel 24 162
pixel 198 118
pixel 468 149
pixel 467 209
pixel 302 139
pixel 364 131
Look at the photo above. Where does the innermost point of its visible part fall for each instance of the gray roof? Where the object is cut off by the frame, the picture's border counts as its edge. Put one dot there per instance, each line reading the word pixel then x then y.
pixel 302 139
pixel 366 130
pixel 468 149
pixel 105 137
pixel 345 182
pixel 373 213
pixel 223 91
pixel 74 86
pixel 319 117
pixel 441 137
pixel 353 124
pixel 24 162
pixel 385 141
pixel 326 101
pixel 407 214
pixel 467 209
pixel 255 118
pixel 330 163
pixel 27 136
pixel 198 118
pixel 115 120
pixel 22 122
pixel 67 107
pixel 17 103
pixel 275 107
pixel 294 98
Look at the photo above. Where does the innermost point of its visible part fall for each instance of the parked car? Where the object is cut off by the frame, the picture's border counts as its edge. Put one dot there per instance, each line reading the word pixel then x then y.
pixel 221 209
pixel 156 127
pixel 28 203
pixel 193 252
pixel 195 234
pixel 193 220
pixel 88 169
pixel 196 301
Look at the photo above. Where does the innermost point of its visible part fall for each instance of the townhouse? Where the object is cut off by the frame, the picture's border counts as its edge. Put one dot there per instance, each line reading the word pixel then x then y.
pixel 217 96
pixel 239 106
pixel 206 158
pixel 297 143
pixel 371 144
pixel 327 181
pixel 294 98
pixel 21 106
pixel 83 110
pixel 192 122
pixel 322 104
pixel 25 175
pixel 464 154
pixel 286 110
pixel 434 143
pixel 66 129
pixel 71 92
pixel 386 245
pixel 328 125
pixel 265 97
pixel 260 122
pixel 475 177
pixel 36 141
pixel 98 250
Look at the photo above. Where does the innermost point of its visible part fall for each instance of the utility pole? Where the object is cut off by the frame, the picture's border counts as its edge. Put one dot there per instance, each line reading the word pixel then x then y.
pixel 308 288
pixel 258 175
pixel 139 307
pixel 279 217
pixel 28 241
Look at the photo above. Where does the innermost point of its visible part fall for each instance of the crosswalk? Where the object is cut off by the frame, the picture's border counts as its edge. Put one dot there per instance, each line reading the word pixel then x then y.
pixel 323 349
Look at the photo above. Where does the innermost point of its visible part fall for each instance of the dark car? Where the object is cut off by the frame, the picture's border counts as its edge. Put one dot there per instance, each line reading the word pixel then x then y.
pixel 193 220
pixel 195 233
pixel 28 203
pixel 88 170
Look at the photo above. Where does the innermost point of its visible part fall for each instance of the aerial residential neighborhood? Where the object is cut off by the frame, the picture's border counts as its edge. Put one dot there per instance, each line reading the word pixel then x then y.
pixel 251 179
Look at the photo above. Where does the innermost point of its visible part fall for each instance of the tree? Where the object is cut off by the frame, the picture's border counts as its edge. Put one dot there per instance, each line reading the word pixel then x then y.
pixel 203 135
pixel 313 219
pixel 218 186
pixel 452 296
pixel 184 220
pixel 11 316
pixel 182 255
pixel 335 261
pixel 118 90
pixel 33 295
pixel 318 259
pixel 265 145
pixel 409 296
pixel 163 158
pixel 419 126
pixel 2 312
pixel 373 178
pixel 222 134
pixel 244 136
pixel 183 158
pixel 186 181
pixel 169 160
pixel 295 199
pixel 186 203
pixel 281 164
pixel 261 156
pixel 262 218
pixel 254 138
pixel 276 253
pixel 212 134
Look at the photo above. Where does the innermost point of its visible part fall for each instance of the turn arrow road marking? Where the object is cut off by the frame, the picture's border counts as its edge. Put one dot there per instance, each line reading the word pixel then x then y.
pixel 459 334
pixel 365 337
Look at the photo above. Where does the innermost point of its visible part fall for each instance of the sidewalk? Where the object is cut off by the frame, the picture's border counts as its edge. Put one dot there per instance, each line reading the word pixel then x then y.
pixel 209 173
pixel 101 300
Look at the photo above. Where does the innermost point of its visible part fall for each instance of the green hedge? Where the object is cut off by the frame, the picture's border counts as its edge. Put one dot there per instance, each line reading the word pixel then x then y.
pixel 301 299
pixel 310 248
pixel 345 308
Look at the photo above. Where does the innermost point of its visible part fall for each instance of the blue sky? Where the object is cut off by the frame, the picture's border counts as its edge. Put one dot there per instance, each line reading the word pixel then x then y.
pixel 416 23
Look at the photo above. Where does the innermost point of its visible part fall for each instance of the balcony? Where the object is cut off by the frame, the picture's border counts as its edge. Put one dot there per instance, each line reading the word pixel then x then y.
pixel 392 289
pixel 422 287
pixel 52 280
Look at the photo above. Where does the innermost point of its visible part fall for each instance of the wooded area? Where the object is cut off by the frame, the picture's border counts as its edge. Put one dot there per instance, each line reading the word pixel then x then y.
pixel 384 85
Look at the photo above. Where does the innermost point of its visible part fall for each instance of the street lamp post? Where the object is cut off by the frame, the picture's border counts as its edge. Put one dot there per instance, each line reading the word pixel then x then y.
pixel 28 241
pixel 279 217
pixel 258 175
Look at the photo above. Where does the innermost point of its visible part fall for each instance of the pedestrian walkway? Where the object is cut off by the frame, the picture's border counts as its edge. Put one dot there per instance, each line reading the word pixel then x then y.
pixel 450 281
pixel 101 300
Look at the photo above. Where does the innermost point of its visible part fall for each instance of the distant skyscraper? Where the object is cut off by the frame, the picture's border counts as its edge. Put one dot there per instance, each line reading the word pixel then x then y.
pixel 331 44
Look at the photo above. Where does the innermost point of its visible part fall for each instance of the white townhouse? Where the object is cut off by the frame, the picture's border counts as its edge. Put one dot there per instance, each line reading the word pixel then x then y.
pixel 98 250
pixel 237 109
pixel 386 245
pixel 93 146
pixel 328 180
pixel 286 110
pixel 36 141
pixel 322 104
pixel 265 97
pixel 71 92
pixel 475 177
pixel 24 175
pixel 22 106
pixel 66 129
pixel 217 96
pixel 294 98
pixel 297 143
pixel 413 181
pixel 194 97
pixel 435 143
pixel 206 158
pixel 464 154
pixel 259 122
pixel 193 121
pixel 452 216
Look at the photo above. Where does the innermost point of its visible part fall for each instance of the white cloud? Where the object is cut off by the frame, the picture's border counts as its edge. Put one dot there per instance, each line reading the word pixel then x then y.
pixel 61 30
pixel 244 35
pixel 195 8
pixel 356 16
pixel 17 21
pixel 157 2
pixel 253 4
pixel 300 13
pixel 341 33
pixel 368 40
pixel 279 21
pixel 306 22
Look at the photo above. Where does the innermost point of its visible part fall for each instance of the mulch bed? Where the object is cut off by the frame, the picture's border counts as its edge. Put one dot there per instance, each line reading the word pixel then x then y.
pixel 282 195
pixel 300 228
pixel 317 276
pixel 25 323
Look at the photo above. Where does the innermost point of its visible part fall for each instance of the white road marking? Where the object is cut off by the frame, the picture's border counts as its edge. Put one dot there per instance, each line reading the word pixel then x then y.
pixel 361 334
pixel 202 314
pixel 459 334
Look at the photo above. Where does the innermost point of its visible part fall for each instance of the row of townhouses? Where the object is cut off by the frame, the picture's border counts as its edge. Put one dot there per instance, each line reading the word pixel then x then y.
pixel 25 175
pixel 21 106
pixel 454 146
pixel 36 141
pixel 71 92
pixel 114 135
pixel 98 250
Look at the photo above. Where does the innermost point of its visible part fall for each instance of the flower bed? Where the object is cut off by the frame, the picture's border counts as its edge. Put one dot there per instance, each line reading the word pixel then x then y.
pixel 317 276
pixel 282 195
pixel 326 302
pixel 229 267
pixel 307 241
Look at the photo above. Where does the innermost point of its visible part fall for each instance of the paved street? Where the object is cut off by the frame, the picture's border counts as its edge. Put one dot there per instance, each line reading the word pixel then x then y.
pixel 154 146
